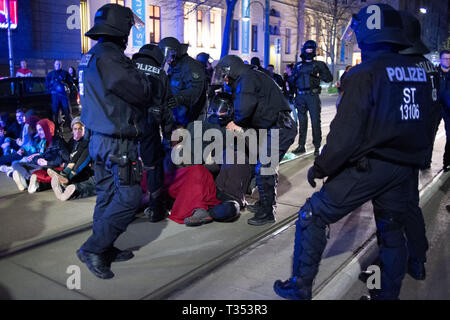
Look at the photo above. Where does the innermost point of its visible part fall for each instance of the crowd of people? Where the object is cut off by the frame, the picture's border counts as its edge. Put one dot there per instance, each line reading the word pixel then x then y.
pixel 122 147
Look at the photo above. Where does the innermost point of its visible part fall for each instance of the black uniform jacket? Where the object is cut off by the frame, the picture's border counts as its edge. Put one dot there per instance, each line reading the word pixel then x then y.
pixel 257 100
pixel 114 94
pixel 385 113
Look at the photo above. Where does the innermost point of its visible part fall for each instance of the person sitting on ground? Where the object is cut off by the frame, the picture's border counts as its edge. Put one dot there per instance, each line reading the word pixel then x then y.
pixel 51 153
pixel 76 180
pixel 28 146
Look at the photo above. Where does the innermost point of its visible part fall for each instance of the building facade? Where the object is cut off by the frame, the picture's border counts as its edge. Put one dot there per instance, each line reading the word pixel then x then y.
pixel 46 30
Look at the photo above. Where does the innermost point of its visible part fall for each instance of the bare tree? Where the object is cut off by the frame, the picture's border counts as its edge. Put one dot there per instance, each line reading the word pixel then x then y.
pixel 332 16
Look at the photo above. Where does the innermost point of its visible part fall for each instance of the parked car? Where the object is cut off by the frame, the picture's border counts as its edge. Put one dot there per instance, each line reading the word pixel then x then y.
pixel 29 93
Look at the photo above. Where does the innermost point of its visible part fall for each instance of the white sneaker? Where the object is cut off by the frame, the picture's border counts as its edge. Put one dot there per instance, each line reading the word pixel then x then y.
pixel 68 192
pixel 4 168
pixel 19 180
pixel 56 186
pixel 34 184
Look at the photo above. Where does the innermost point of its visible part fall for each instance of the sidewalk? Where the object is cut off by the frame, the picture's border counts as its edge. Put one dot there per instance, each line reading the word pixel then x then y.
pixel 214 261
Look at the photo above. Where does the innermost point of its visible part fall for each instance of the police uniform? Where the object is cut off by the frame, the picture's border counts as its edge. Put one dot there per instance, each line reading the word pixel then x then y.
pixel 58 81
pixel 115 97
pixel 260 104
pixel 377 142
pixel 187 83
pixel 149 61
pixel 414 222
pixel 306 78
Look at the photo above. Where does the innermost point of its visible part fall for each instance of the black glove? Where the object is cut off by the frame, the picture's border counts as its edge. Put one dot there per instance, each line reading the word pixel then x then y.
pixel 311 177
pixel 172 102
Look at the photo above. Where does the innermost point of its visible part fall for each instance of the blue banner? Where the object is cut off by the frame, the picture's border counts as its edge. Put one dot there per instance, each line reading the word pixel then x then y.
pixel 138 7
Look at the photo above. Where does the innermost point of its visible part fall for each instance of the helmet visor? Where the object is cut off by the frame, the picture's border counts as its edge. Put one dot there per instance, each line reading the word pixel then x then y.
pixel 169 54
pixel 220 75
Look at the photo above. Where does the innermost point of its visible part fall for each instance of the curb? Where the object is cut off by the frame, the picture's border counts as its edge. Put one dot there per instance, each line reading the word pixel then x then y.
pixel 342 280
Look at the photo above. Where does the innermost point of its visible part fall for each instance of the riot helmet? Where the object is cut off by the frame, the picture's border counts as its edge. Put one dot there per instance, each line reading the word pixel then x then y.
pixel 412 32
pixel 150 51
pixel 379 24
pixel 221 109
pixel 204 58
pixel 112 20
pixel 255 61
pixel 171 49
pixel 228 70
pixel 310 44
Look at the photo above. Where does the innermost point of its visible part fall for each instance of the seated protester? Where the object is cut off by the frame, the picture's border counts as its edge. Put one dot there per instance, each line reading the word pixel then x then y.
pixel 76 179
pixel 2 139
pixel 14 130
pixel 220 113
pixel 28 145
pixel 51 152
pixel 233 179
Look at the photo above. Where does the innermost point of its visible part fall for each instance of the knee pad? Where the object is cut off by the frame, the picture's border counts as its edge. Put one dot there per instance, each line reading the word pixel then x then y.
pixel 226 211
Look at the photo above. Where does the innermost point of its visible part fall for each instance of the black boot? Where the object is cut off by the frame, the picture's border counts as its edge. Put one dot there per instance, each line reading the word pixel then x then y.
pixel 263 216
pixel 117 255
pixel 253 208
pixel 416 269
pixel 98 264
pixel 157 209
pixel 299 150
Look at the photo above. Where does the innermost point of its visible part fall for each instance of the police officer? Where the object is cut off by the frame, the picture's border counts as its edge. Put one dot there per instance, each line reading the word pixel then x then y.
pixel 59 83
pixel 306 78
pixel 259 104
pixel 187 82
pixel 414 222
pixel 115 96
pixel 377 142
pixel 149 60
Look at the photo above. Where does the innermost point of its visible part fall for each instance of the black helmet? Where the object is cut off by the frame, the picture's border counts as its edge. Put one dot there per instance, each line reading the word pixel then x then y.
pixel 112 20
pixel 231 66
pixel 412 32
pixel 255 61
pixel 203 58
pixel 221 109
pixel 171 48
pixel 310 44
pixel 150 51
pixel 379 23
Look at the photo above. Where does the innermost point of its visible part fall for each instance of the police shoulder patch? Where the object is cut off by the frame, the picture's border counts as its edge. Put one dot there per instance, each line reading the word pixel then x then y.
pixel 85 60
pixel 195 75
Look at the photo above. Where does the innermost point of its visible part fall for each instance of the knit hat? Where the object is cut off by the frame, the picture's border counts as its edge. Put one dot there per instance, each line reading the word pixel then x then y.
pixel 75 121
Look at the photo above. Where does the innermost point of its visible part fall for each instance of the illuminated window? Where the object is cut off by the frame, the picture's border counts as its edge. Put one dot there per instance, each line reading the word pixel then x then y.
pixel 119 2
pixel 199 28
pixel 84 16
pixel 212 29
pixel 235 35
pixel 254 38
pixel 155 24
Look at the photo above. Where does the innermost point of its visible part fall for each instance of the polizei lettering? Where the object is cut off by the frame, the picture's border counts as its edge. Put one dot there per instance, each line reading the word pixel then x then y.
pixel 191 310
pixel 406 74
pixel 148 68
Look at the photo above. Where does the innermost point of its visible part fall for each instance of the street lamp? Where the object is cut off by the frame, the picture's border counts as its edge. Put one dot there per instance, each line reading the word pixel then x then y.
pixel 423 10
pixel 266 27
